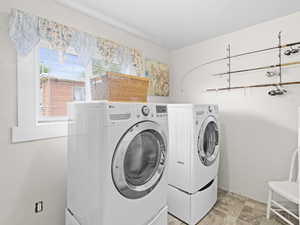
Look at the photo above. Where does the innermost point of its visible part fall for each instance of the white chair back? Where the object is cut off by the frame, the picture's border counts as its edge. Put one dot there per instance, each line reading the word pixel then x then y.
pixel 294 170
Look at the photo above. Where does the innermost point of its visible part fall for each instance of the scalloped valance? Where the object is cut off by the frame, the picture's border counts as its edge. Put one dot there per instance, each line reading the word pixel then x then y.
pixel 27 30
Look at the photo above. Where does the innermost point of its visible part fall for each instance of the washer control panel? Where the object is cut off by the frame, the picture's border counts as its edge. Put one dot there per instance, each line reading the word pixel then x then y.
pixel 152 111
pixel 122 111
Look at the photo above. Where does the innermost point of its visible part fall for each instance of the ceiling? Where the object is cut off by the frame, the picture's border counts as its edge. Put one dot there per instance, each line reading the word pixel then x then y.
pixel 177 23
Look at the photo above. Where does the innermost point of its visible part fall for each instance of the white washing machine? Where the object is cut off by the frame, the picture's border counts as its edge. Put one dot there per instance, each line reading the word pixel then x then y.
pixel 116 164
pixel 193 160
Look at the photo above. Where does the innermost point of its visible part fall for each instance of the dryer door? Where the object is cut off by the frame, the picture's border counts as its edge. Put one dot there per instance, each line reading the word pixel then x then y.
pixel 208 141
pixel 139 160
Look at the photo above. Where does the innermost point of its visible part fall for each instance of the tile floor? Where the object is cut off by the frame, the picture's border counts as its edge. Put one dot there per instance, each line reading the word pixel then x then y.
pixel 233 209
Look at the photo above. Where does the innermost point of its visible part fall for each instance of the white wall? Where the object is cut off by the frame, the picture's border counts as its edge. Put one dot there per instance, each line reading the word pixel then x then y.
pixel 35 171
pixel 259 132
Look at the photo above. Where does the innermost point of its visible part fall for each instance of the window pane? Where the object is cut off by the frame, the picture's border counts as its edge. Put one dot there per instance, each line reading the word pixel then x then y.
pixel 99 69
pixel 62 80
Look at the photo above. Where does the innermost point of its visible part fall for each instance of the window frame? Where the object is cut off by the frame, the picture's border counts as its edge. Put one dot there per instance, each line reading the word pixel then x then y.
pixel 29 127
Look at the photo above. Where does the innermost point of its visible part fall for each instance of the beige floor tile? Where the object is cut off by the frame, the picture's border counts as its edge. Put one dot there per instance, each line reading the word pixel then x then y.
pixel 271 221
pixel 222 193
pixel 256 205
pixel 240 197
pixel 286 215
pixel 233 209
pixel 230 205
pixel 214 217
pixel 230 220
pixel 252 215
pixel 173 221
pixel 241 222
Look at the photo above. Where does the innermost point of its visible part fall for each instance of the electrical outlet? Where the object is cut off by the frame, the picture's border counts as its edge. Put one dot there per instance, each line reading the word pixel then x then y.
pixel 39 207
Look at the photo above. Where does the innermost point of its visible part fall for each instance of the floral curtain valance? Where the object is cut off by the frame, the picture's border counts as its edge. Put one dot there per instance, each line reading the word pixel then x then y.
pixel 26 31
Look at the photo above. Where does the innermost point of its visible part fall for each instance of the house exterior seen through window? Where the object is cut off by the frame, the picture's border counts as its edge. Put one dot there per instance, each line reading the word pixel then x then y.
pixel 99 69
pixel 62 80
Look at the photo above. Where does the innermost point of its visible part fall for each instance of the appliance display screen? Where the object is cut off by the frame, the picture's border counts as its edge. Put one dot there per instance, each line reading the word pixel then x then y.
pixel 161 109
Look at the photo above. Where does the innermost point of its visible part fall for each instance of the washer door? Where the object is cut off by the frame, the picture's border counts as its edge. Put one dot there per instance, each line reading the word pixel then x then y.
pixel 208 141
pixel 139 160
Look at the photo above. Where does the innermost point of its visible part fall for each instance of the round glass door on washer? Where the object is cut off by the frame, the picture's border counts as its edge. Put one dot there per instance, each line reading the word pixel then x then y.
pixel 208 141
pixel 139 160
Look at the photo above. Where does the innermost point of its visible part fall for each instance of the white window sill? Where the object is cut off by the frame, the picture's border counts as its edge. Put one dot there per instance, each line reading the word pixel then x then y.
pixel 40 131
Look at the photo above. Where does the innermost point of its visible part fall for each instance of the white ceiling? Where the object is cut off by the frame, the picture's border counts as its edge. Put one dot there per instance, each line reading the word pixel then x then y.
pixel 176 23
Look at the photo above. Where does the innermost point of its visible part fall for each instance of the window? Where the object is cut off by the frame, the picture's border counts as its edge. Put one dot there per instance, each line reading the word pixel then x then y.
pixel 62 80
pixel 99 68
pixel 46 81
pixel 45 84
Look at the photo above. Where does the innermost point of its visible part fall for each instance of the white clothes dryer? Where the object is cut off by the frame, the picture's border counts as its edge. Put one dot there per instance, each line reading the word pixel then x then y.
pixel 116 164
pixel 193 160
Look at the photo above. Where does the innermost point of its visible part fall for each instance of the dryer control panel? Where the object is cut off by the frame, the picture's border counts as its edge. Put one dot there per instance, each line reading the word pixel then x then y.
pixel 161 109
pixel 206 109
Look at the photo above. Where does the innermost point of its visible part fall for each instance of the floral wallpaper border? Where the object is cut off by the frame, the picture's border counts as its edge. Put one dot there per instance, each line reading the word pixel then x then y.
pixel 27 30
pixel 159 75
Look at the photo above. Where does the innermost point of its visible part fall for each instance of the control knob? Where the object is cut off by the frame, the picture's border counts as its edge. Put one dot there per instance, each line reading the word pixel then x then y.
pixel 145 110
